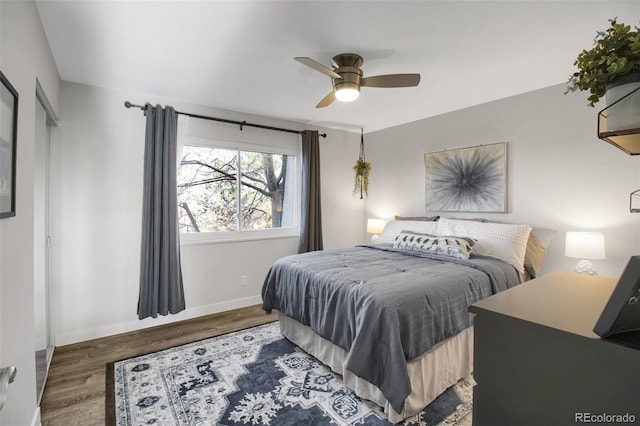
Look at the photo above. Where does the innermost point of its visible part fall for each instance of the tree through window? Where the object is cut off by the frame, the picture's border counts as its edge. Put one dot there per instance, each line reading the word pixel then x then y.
pixel 222 189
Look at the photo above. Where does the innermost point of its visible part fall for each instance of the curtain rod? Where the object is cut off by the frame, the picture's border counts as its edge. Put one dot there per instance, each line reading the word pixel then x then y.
pixel 224 120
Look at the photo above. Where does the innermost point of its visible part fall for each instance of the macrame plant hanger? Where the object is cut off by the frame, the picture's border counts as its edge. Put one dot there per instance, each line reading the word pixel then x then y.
pixel 362 160
pixel 362 169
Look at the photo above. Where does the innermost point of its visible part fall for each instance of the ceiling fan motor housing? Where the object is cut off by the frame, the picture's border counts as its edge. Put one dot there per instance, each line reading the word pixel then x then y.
pixel 348 66
pixel 351 78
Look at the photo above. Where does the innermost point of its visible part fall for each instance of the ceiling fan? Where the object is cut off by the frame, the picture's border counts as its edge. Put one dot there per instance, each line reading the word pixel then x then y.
pixel 347 79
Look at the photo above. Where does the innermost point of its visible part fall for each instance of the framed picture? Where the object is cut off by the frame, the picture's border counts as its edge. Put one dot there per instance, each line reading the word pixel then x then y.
pixel 8 146
pixel 467 180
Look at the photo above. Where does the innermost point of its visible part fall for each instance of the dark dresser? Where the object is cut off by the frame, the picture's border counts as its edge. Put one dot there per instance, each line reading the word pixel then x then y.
pixel 537 360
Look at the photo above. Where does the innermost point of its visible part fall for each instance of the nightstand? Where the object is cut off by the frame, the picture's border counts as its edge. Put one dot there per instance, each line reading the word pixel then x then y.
pixel 537 360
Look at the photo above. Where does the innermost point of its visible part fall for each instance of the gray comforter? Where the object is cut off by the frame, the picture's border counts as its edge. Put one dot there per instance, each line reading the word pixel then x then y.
pixel 384 306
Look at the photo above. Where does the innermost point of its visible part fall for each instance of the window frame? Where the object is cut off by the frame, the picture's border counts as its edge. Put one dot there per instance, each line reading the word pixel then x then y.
pixel 189 238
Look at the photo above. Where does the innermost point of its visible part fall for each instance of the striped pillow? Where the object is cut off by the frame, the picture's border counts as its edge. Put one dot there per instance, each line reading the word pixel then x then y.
pixel 458 247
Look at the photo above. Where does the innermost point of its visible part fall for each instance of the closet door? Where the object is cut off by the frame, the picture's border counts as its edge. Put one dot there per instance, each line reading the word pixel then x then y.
pixel 43 345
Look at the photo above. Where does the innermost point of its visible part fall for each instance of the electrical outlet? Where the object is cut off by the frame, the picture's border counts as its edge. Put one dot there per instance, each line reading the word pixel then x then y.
pixel 243 280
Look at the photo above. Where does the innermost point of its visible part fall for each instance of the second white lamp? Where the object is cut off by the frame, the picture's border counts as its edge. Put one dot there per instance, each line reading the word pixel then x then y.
pixel 375 227
pixel 585 246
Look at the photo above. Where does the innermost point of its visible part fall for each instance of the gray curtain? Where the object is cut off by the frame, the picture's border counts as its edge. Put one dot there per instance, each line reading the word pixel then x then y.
pixel 311 226
pixel 161 290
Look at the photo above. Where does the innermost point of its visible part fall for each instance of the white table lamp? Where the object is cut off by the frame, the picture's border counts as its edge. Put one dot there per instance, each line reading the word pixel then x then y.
pixel 375 227
pixel 585 246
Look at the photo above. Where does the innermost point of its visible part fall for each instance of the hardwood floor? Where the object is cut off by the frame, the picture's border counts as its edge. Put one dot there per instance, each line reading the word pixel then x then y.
pixel 74 393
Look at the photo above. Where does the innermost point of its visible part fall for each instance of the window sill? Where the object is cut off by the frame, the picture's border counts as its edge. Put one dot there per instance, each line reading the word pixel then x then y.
pixel 188 239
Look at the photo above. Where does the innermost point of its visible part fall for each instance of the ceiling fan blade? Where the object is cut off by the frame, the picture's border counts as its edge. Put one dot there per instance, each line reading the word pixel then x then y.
pixel 317 66
pixel 391 80
pixel 327 100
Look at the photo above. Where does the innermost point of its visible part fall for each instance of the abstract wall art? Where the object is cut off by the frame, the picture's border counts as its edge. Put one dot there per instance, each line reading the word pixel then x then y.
pixel 470 179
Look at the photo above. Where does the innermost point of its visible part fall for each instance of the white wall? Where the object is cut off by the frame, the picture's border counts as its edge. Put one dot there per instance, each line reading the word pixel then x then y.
pixel 24 56
pixel 560 175
pixel 97 156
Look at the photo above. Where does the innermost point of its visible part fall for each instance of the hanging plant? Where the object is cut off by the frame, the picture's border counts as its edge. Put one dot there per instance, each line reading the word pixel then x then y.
pixel 362 170
pixel 616 52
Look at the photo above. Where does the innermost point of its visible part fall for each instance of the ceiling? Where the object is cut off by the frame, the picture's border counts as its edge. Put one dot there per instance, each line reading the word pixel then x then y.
pixel 238 55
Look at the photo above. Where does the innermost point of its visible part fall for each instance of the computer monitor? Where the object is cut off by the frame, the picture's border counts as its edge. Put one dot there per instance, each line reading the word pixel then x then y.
pixel 621 314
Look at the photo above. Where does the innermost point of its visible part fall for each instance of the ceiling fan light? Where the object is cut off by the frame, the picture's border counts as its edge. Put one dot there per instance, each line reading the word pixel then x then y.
pixel 347 94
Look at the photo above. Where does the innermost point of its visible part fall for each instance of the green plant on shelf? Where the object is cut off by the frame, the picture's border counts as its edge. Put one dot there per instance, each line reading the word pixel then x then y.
pixel 616 52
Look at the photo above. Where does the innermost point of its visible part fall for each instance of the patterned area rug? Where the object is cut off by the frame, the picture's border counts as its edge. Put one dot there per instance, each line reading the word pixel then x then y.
pixel 254 377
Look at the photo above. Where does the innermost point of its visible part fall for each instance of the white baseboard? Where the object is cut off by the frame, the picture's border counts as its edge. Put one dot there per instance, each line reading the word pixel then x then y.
pixel 81 335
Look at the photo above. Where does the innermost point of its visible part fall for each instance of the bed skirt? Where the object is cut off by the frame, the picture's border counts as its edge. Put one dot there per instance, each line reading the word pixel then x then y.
pixel 430 374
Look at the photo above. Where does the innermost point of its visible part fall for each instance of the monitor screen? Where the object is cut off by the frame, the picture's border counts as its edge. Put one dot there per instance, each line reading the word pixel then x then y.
pixel 621 314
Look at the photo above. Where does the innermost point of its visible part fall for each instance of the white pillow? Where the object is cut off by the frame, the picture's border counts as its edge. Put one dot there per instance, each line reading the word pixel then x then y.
pixel 394 227
pixel 503 241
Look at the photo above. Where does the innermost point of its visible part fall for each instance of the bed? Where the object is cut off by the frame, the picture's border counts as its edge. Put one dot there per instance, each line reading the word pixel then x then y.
pixel 392 317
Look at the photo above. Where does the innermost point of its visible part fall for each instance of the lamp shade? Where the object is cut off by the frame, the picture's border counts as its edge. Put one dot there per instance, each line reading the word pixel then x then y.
pixel 375 226
pixel 585 245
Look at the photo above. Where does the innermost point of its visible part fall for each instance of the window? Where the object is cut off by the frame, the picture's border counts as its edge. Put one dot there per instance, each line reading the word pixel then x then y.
pixel 232 193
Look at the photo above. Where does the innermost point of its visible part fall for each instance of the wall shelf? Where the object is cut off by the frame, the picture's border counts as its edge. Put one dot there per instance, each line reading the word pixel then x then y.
pixel 634 201
pixel 619 123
